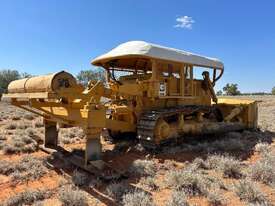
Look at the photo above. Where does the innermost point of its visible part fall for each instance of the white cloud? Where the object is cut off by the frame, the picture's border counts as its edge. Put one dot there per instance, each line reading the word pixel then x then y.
pixel 185 22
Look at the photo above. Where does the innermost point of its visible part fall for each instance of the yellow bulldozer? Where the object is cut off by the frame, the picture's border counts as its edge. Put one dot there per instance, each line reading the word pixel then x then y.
pixel 154 92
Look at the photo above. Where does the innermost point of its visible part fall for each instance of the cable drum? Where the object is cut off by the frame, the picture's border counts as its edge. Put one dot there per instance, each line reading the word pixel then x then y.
pixel 45 83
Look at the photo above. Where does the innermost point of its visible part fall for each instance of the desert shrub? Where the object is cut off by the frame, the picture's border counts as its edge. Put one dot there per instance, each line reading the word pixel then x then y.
pixel 116 190
pixel 177 198
pixel 38 123
pixel 11 126
pixel 137 198
pixel 6 167
pixel 2 144
pixel 10 149
pixel 148 182
pixel 15 117
pixel 32 134
pixel 66 140
pixel 23 125
pixel 71 196
pixel 28 168
pixel 215 182
pixel 229 166
pixel 78 132
pixel 80 178
pixel 66 137
pixel 71 135
pixel 250 192
pixel 39 203
pixel 19 144
pixel 262 148
pixel 143 167
pixel 27 139
pixel 215 197
pixel 2 137
pixel 198 163
pixel 29 116
pixel 264 169
pixel 27 197
pixel 190 182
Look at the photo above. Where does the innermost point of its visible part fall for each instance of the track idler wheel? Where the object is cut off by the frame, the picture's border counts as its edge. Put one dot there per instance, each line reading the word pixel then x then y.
pixel 162 130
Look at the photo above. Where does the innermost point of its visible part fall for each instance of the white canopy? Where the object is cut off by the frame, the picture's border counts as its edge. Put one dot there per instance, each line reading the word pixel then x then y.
pixel 148 50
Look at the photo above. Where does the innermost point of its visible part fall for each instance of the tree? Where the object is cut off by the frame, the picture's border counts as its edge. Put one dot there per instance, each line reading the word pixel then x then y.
pixel 25 75
pixel 219 93
pixel 84 76
pixel 231 89
pixel 273 91
pixel 6 76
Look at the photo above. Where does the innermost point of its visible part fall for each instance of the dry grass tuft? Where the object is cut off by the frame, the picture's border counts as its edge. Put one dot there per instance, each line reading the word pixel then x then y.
pixel 19 144
pixel 198 163
pixel 178 198
pixel 27 197
pixel 28 168
pixel 250 192
pixel 264 169
pixel 29 116
pixel 229 166
pixel 31 132
pixel 15 117
pixel 38 123
pixel 11 126
pixel 6 167
pixel 143 167
pixel 190 182
pixel 116 190
pixel 23 125
pixel 71 196
pixel 215 198
pixel 137 198
pixel 262 148
pixel 71 135
pixel 149 183
pixel 3 137
pixel 193 181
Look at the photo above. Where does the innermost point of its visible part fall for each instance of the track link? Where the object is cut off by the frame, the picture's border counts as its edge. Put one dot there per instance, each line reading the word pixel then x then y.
pixel 148 120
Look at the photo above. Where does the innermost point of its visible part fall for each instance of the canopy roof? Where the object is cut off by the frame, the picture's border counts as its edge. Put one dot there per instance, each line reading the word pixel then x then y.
pixel 141 49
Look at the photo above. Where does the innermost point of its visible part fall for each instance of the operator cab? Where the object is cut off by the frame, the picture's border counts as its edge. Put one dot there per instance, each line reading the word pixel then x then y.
pixel 170 72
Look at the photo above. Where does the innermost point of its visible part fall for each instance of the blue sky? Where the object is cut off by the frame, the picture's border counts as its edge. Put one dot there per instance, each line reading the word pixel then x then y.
pixel 42 36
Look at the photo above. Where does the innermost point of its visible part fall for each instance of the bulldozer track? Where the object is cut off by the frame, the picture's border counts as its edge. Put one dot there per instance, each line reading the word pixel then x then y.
pixel 148 121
